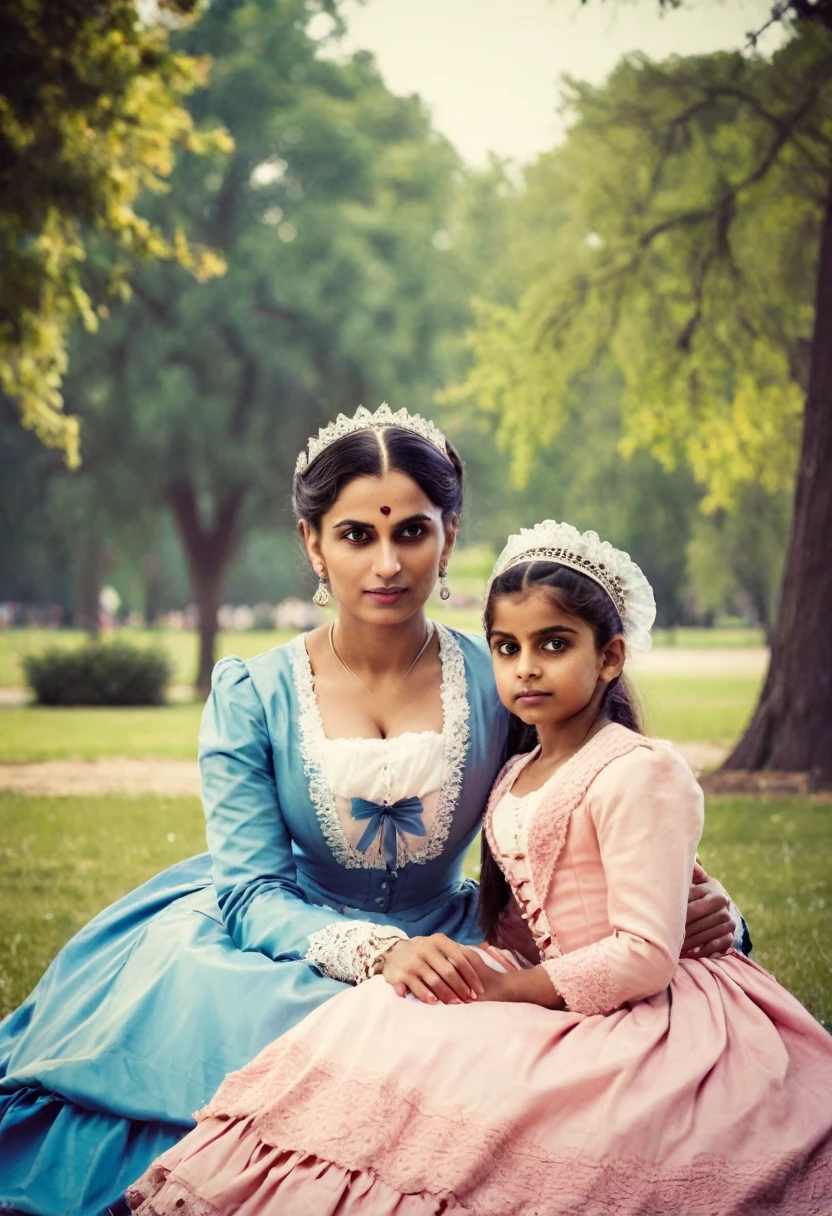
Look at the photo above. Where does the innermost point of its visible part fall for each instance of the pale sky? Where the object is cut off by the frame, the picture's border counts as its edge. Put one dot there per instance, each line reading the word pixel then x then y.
pixel 488 69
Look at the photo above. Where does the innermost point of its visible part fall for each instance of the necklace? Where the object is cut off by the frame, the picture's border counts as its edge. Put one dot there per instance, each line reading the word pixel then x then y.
pixel 350 672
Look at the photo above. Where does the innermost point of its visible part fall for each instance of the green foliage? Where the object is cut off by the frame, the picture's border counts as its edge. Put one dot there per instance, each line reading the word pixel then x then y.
pixel 331 214
pixel 111 673
pixel 735 559
pixel 90 115
pixel 180 646
pixel 580 476
pixel 676 232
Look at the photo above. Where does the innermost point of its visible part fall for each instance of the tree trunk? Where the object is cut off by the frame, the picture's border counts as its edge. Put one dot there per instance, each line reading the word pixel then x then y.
pixel 791 730
pixel 90 578
pixel 209 550
pixel 152 587
pixel 208 585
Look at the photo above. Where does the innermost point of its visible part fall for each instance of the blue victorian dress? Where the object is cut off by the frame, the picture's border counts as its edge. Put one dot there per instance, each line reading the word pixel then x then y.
pixel 142 1014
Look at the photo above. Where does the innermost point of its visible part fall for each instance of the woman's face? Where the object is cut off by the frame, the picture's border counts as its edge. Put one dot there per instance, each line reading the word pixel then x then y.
pixel 381 546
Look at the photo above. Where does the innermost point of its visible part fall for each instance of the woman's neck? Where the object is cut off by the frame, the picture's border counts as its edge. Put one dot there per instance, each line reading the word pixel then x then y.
pixel 371 650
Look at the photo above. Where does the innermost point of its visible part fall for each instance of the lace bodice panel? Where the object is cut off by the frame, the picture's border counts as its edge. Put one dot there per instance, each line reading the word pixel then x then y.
pixel 381 803
pixel 339 770
pixel 383 771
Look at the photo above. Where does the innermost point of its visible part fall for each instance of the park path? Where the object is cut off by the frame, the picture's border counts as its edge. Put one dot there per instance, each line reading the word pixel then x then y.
pixel 90 778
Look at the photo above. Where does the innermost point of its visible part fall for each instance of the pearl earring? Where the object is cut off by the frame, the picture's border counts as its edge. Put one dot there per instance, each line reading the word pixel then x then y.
pixel 444 589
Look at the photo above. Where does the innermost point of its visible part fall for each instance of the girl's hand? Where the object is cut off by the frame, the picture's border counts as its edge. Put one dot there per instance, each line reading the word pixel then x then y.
pixel 434 969
pixel 531 986
pixel 711 922
pixel 495 986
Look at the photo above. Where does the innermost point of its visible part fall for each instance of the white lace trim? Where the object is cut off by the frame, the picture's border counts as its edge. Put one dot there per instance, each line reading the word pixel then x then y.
pixel 455 729
pixel 350 951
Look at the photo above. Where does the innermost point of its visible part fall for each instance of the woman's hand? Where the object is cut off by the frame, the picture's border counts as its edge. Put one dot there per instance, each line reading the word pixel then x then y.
pixel 434 969
pixel 711 922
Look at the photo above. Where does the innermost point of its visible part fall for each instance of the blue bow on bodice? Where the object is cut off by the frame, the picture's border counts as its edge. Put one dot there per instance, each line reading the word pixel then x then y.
pixel 391 819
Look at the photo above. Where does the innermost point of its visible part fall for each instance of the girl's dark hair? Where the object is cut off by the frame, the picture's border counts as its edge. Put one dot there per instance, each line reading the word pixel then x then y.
pixel 371 454
pixel 580 596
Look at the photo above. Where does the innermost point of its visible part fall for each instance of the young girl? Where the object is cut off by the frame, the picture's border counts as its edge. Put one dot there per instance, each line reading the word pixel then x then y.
pixel 596 1073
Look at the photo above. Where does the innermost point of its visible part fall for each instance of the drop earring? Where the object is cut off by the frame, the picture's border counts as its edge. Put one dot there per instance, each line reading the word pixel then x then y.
pixel 321 596
pixel 444 589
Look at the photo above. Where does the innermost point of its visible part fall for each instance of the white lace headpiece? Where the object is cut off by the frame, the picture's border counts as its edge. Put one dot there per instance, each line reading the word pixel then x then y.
pixel 610 568
pixel 363 420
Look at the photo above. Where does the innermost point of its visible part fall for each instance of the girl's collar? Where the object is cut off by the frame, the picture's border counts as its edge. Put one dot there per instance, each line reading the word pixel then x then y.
pixel 565 766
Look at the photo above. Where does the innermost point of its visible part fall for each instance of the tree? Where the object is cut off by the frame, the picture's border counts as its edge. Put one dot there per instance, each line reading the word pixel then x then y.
pixel 819 11
pixel 330 213
pixel 697 248
pixel 90 115
pixel 735 558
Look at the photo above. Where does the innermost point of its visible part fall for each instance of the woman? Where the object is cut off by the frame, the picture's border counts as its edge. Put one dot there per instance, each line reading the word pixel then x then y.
pixel 344 776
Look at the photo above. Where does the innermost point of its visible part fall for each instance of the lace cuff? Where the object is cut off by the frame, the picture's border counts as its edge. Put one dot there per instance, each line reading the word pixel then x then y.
pixel 584 980
pixel 351 951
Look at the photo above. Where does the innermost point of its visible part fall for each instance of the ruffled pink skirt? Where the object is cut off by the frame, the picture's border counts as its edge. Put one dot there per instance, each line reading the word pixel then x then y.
pixel 249 1178
pixel 713 1098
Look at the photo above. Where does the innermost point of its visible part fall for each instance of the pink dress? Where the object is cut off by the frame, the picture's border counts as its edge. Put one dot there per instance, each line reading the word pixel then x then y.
pixel 666 1087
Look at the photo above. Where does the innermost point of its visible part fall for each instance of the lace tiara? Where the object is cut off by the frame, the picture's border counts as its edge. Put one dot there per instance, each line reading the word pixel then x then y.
pixel 612 569
pixel 363 420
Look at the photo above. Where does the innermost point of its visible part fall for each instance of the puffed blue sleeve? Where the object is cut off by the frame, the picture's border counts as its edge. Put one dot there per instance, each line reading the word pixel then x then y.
pixel 254 874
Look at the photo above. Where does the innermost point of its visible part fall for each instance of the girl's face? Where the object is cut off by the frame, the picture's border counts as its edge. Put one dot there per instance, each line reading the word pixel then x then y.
pixel 381 546
pixel 546 662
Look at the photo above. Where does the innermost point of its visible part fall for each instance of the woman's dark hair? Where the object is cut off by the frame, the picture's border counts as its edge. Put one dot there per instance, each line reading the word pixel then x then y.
pixel 372 454
pixel 580 596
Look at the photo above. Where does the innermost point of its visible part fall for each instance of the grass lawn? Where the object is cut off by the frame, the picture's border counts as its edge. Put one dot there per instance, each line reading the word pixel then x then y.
pixel 182 647
pixel 63 859
pixel 34 732
pixel 682 708
pixel 692 707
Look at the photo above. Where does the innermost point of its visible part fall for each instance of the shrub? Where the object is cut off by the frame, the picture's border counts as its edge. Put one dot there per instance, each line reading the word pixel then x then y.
pixel 106 673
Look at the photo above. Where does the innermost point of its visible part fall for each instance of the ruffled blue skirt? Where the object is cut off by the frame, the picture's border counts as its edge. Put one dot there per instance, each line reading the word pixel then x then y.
pixel 130 1031
pixel 133 1027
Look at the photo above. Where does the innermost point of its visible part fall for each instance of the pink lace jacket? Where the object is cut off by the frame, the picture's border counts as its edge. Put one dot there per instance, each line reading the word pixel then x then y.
pixel 604 888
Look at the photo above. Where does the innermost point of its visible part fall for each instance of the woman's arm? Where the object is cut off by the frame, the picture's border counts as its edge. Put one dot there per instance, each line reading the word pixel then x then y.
pixel 714 924
pixel 254 874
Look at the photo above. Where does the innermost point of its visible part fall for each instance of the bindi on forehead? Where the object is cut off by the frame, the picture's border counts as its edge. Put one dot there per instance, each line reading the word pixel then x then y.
pixel 385 510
